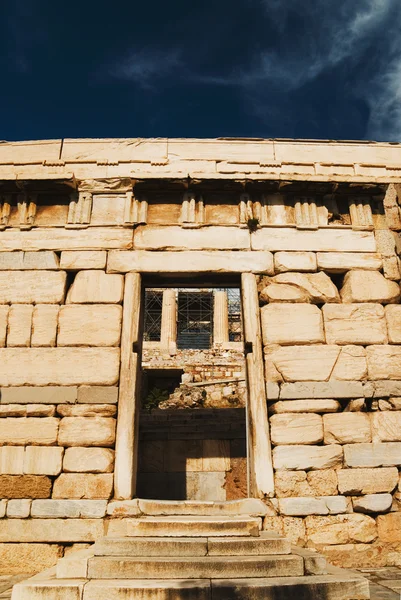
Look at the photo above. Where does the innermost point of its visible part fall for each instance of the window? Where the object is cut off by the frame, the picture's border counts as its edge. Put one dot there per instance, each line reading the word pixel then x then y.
pixel 195 319
pixel 234 314
pixel 153 316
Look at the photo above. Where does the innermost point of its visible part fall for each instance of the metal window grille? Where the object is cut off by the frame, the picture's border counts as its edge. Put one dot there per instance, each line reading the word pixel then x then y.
pixel 195 320
pixel 153 316
pixel 234 314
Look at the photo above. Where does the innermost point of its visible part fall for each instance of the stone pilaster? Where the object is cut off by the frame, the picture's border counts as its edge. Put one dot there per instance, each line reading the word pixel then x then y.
pixel 168 336
pixel 360 212
pixel 220 318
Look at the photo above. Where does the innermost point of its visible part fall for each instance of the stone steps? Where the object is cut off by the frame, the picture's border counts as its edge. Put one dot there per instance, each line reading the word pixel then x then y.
pixel 199 567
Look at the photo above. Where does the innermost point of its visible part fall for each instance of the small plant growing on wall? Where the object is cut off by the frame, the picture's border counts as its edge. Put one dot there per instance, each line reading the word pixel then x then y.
pixel 154 398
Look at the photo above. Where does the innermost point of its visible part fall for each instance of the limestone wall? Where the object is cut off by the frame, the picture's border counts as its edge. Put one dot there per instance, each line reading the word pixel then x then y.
pixel 331 328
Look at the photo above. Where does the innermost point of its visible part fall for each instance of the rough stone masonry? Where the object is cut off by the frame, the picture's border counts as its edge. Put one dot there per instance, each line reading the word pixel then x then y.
pixel 312 229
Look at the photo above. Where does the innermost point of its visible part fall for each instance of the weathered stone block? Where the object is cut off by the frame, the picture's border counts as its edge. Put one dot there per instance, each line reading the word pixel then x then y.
pixel 372 503
pixel 4 310
pixel 178 238
pixel 87 410
pixel 385 454
pixel 51 530
pixel 300 458
pixel 87 431
pixel 330 389
pixel 296 429
pixel 3 506
pixel 43 461
pixel 393 318
pixel 299 483
pixel 321 240
pixel 19 509
pixel 58 238
pixel 24 486
pixel 286 324
pixel 67 509
pixel 314 363
pixel 95 287
pixel 24 431
pixel 40 260
pixel 384 362
pixel 79 485
pixel 313 287
pixel 346 428
pixel 351 364
pixel 354 324
pixel 340 529
pixel 32 557
pixel 91 325
pixel 294 261
pixel 85 259
pixel 391 267
pixel 59 366
pixel 367 481
pixel 98 394
pixel 340 262
pixel 12 460
pixel 44 325
pixel 389 527
pixel 27 287
pixel 369 286
pixel 38 410
pixel 386 426
pixel 304 406
pixel 88 460
pixel 12 410
pixel 38 395
pixel 299 507
pixel 19 325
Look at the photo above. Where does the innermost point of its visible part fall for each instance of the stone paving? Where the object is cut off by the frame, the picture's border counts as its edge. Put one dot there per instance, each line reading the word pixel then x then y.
pixel 385 583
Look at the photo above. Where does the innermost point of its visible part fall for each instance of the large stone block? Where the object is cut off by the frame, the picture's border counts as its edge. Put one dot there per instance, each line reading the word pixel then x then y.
pixel 372 503
pixel 67 509
pixel 296 429
pixel 96 287
pixel 31 558
pixel 86 259
pixel 346 428
pixel 178 238
pixel 24 486
pixel 321 240
pixel 4 310
pixel 58 238
pixel 294 261
pixel 386 426
pixel 367 481
pixel 340 529
pixel 311 287
pixel 12 460
pixel 30 430
pixel 98 394
pixel 304 406
pixel 354 324
pixel 59 366
pixel 301 458
pixel 87 431
pixel 299 483
pixel 19 325
pixel 90 325
pixel 29 287
pixel 287 324
pixel 340 262
pixel 19 509
pixel 351 364
pixel 87 410
pixel 300 507
pixel 386 454
pixel 393 318
pixel 51 530
pixel 43 461
pixel 38 395
pixel 384 362
pixel 320 389
pixel 200 261
pixel 314 363
pixel 88 460
pixel 85 486
pixel 389 527
pixel 44 325
pixel 23 261
pixel 369 286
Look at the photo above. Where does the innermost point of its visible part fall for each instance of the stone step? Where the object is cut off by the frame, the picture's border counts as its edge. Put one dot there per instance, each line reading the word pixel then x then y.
pixel 185 526
pixel 200 567
pixel 247 506
pixel 267 543
pixel 329 587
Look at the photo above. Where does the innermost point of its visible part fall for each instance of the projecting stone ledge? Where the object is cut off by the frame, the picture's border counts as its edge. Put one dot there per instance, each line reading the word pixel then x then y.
pixel 143 261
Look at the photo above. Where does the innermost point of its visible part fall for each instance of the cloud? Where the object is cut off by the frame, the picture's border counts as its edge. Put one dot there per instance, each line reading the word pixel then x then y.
pixel 147 66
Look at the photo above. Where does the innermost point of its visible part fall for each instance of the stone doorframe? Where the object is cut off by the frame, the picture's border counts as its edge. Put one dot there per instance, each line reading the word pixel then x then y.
pixel 260 466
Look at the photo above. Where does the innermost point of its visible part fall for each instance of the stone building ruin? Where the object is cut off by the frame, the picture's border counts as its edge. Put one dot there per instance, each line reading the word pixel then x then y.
pixel 203 320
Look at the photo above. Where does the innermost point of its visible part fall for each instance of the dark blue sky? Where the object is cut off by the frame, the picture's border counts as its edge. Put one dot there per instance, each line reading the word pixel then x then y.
pixel 188 68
